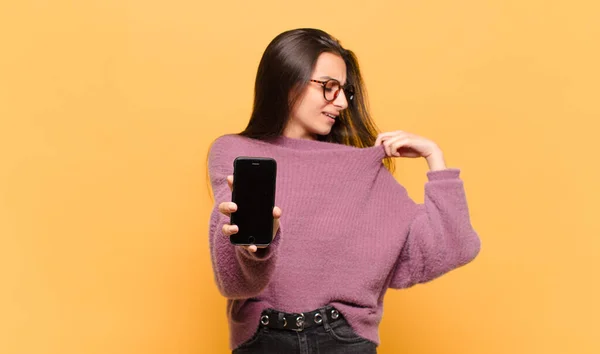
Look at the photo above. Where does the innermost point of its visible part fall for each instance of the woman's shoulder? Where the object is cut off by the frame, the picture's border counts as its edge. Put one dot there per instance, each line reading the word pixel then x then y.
pixel 227 140
pixel 230 142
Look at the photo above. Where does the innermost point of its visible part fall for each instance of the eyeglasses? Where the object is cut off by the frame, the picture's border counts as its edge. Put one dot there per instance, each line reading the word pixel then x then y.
pixel 332 88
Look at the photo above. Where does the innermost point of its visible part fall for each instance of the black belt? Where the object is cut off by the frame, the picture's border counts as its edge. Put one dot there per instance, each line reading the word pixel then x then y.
pixel 299 321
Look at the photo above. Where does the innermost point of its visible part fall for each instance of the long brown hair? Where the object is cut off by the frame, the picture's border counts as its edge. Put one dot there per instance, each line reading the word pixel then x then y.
pixel 284 71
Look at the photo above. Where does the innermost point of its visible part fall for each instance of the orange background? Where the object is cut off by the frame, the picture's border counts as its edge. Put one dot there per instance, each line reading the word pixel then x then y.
pixel 107 109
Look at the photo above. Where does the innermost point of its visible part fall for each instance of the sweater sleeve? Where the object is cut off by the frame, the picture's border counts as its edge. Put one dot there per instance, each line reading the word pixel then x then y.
pixel 440 236
pixel 238 273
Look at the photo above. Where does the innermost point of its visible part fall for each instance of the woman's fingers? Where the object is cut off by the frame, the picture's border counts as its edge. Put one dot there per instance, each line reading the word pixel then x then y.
pixel 276 216
pixel 251 248
pixel 230 182
pixel 392 145
pixel 401 146
pixel 387 142
pixel 227 208
pixel 384 136
pixel 229 230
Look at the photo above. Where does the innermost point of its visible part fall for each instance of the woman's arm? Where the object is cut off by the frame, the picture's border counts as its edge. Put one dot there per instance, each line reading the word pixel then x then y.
pixel 440 236
pixel 239 273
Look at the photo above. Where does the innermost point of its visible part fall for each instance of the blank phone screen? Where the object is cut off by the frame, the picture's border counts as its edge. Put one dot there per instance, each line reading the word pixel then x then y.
pixel 254 194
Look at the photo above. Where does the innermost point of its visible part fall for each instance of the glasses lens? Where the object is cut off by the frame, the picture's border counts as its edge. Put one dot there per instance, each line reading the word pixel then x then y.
pixel 331 88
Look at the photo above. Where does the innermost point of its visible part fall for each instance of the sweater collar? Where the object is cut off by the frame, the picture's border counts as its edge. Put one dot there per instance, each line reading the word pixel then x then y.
pixel 305 144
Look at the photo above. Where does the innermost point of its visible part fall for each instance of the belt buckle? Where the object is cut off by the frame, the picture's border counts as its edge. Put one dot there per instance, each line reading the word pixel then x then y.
pixel 299 323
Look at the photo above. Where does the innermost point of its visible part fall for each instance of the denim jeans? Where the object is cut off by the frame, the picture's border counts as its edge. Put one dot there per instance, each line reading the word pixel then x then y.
pixel 335 338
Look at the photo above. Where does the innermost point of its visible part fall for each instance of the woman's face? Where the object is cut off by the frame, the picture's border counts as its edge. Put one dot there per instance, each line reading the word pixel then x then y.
pixel 309 116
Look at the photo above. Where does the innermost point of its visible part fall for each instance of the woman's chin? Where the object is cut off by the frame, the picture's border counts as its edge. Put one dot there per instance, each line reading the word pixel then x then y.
pixel 323 132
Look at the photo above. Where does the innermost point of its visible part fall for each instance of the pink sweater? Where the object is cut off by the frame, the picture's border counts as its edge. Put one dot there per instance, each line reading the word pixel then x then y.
pixel 348 232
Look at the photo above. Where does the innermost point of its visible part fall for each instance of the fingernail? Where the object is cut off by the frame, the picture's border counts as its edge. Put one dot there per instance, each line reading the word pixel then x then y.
pixel 231 205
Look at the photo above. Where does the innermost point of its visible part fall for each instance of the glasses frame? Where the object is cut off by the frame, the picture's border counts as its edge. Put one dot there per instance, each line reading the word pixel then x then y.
pixel 348 90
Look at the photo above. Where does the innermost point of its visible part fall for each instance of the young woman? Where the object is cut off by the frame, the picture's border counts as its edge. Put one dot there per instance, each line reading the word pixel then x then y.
pixel 344 230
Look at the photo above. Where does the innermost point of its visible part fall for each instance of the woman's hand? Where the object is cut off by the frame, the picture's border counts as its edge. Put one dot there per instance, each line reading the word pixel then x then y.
pixel 403 144
pixel 226 208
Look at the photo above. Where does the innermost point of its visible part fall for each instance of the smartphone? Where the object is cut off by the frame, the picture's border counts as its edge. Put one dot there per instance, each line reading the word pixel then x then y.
pixel 254 193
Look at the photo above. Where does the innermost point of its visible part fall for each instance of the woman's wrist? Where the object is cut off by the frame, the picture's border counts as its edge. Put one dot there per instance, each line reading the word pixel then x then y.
pixel 435 161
